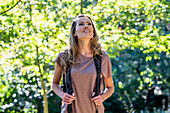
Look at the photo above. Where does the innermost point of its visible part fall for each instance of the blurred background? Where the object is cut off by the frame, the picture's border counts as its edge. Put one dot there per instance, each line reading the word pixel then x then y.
pixel 135 33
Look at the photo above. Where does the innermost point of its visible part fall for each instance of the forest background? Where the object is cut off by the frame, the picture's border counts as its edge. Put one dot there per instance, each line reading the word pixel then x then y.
pixel 135 33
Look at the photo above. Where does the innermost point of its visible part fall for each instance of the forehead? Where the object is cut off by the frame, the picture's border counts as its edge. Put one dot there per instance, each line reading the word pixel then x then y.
pixel 83 19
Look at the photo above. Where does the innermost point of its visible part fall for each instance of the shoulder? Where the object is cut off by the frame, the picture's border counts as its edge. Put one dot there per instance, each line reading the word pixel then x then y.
pixel 61 58
pixel 105 55
pixel 63 54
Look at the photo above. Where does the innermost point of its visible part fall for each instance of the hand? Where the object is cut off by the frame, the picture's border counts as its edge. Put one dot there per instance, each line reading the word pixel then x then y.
pixel 68 99
pixel 97 100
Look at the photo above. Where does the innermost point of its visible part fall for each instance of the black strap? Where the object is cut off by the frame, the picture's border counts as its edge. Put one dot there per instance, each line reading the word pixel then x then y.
pixel 64 84
pixel 97 61
pixel 69 88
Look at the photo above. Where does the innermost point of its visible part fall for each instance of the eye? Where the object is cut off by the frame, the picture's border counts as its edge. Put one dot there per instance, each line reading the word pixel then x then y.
pixel 89 23
pixel 81 24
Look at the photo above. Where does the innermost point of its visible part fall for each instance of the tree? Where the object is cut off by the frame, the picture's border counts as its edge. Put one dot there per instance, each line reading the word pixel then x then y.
pixel 135 34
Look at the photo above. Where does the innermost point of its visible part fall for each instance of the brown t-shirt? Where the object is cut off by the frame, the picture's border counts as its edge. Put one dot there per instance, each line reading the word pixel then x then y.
pixel 83 82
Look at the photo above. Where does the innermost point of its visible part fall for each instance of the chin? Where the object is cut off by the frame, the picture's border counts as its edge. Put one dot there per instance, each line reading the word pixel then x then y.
pixel 89 36
pixel 86 37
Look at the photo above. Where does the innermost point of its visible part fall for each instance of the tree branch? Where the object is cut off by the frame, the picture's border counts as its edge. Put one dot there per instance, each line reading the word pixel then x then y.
pixel 81 11
pixel 94 5
pixel 38 62
pixel 137 69
pixel 42 83
pixel 11 7
pixel 111 32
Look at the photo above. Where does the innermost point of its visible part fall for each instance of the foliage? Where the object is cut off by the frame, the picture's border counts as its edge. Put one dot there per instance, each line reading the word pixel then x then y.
pixel 135 34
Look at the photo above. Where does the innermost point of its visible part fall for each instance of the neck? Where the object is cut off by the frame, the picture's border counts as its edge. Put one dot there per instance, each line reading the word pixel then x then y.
pixel 84 48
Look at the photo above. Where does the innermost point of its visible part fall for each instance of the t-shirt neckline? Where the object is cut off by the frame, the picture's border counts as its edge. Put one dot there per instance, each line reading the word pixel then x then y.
pixel 85 56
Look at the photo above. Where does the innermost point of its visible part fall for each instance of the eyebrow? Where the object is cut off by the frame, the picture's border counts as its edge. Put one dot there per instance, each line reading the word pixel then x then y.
pixel 85 22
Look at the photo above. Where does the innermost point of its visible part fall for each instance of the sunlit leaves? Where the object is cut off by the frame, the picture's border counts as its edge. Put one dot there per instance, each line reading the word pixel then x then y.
pixel 132 32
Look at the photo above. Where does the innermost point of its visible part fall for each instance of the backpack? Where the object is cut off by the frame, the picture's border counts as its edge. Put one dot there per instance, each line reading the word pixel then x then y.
pixel 67 87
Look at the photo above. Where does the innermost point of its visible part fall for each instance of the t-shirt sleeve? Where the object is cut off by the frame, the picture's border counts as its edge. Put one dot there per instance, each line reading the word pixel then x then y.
pixel 60 59
pixel 106 66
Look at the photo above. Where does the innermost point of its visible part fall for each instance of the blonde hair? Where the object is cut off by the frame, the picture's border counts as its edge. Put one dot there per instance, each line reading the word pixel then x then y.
pixel 73 52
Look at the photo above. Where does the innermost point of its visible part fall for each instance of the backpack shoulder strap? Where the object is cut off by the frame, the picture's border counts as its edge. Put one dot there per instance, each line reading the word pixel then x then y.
pixel 98 61
pixel 69 89
pixel 68 84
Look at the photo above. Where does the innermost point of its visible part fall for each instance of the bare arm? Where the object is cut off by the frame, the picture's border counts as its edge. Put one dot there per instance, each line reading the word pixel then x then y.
pixel 110 89
pixel 56 80
pixel 57 88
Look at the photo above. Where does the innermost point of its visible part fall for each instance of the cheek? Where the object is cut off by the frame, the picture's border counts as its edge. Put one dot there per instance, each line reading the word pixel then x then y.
pixel 92 29
pixel 78 30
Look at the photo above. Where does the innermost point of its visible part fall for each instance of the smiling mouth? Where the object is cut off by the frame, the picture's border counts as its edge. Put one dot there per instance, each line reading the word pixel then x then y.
pixel 86 31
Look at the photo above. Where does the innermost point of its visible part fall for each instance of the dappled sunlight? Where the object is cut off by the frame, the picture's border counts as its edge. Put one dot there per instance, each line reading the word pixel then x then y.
pixel 135 34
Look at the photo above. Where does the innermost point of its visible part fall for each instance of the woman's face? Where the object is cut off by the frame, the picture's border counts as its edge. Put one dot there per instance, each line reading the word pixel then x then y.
pixel 84 28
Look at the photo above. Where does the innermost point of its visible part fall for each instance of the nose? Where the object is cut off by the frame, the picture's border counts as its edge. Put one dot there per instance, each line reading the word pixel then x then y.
pixel 86 26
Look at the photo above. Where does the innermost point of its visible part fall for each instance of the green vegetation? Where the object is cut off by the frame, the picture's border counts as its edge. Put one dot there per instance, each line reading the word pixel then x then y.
pixel 136 34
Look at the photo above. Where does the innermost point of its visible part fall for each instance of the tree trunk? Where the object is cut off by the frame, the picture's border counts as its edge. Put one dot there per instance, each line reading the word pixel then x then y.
pixel 42 84
pixel 44 96
pixel 81 7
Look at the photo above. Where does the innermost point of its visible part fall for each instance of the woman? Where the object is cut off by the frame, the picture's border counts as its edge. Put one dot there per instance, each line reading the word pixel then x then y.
pixel 83 46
